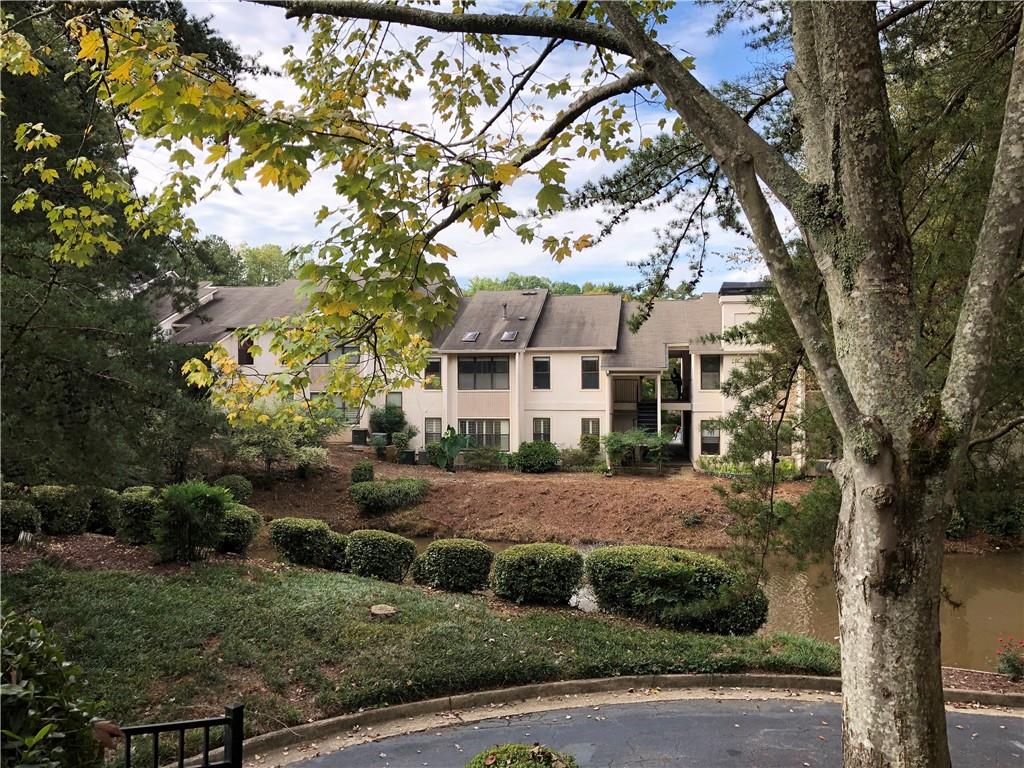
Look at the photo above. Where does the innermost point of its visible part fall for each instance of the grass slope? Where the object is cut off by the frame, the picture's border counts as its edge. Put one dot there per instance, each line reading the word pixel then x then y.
pixel 298 645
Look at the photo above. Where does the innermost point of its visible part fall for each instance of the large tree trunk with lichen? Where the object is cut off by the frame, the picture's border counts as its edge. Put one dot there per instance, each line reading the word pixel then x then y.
pixel 888 563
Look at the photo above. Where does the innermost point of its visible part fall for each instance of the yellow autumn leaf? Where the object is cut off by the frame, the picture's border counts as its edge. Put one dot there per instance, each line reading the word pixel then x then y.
pixel 506 173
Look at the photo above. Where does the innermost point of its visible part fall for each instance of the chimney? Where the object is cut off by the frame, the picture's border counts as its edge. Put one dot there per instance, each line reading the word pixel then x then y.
pixel 504 310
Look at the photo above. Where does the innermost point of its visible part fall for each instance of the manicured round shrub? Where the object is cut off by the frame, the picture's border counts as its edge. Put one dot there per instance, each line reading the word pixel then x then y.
pixel 676 588
pixel 16 516
pixel 138 507
pixel 457 565
pixel 380 554
pixel 149 489
pixel 239 487
pixel 336 558
pixel 241 525
pixel 537 573
pixel 362 472
pixel 301 541
pixel 379 496
pixel 189 522
pixel 521 756
pixel 104 508
pixel 64 508
pixel 536 457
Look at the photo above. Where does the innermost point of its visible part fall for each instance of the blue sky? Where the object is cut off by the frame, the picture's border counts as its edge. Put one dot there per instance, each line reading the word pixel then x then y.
pixel 266 216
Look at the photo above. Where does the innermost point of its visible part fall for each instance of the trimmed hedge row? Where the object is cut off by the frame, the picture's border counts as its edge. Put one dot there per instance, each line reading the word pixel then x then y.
pixel 676 588
pixel 375 497
pixel 64 509
pixel 455 565
pixel 241 525
pixel 537 573
pixel 362 471
pixel 239 487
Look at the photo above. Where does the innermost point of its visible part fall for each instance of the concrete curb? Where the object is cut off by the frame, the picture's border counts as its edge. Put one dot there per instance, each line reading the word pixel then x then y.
pixel 320 729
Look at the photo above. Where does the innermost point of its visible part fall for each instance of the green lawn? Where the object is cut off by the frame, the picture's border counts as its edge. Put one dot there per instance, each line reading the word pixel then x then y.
pixel 300 644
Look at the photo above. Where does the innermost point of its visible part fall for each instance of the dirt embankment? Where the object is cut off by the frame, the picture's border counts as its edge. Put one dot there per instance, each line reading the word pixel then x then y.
pixel 680 508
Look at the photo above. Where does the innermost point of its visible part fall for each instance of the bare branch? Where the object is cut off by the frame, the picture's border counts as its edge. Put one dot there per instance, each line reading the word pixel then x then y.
pixel 480 23
pixel 997 258
pixel 991 437
pixel 710 119
pixel 799 305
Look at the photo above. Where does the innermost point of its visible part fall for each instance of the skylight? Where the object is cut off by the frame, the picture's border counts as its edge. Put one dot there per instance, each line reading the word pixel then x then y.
pixel 471 336
pixel 509 335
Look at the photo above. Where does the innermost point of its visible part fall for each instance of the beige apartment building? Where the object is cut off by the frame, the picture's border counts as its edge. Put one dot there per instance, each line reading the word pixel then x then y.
pixel 516 366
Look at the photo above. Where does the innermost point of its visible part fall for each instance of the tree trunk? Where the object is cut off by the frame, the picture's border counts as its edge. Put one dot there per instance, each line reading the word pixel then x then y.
pixel 888 567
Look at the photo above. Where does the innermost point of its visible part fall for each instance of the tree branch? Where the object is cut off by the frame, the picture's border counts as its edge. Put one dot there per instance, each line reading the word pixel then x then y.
pixel 997 257
pixel 712 121
pixel 991 437
pixel 799 304
pixel 479 23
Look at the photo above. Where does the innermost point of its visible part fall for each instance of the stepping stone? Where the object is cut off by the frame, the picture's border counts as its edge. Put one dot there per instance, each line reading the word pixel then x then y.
pixel 382 611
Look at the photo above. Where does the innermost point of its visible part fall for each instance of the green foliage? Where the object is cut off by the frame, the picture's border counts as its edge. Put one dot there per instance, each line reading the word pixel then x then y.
pixel 380 445
pixel 436 455
pixel 64 509
pixel 240 526
pixel 380 554
pixel 676 588
pixel 336 558
pixel 403 437
pixel 190 519
pixel 521 756
pixel 693 519
pixel 634 447
pixel 137 514
pixel 1010 658
pixel 389 419
pixel 44 707
pixel 536 457
pixel 362 472
pixel 537 573
pixel 448 450
pixel 455 565
pixel 240 487
pixel 104 508
pixel 516 282
pixel 578 460
pixel 302 541
pixel 252 265
pixel 379 496
pixel 591 446
pixel 992 499
pixel 483 458
pixel 309 459
pixel 16 516
pixel 281 438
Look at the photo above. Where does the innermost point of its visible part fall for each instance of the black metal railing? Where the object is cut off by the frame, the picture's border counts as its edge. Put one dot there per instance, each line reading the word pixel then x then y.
pixel 232 722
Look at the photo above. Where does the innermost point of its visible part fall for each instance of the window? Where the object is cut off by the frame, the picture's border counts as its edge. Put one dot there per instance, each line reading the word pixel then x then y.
pixel 349 413
pixel 244 352
pixel 542 373
pixel 393 398
pixel 433 377
pixel 486 433
pixel 710 439
pixel 431 431
pixel 471 336
pixel 483 373
pixel 590 426
pixel 509 335
pixel 542 430
pixel 347 352
pixel 710 371
pixel 590 379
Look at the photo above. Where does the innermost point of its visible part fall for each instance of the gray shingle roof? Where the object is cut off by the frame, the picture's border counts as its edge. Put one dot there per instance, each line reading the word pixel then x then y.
pixel 237 307
pixel 491 313
pixel 671 322
pixel 579 322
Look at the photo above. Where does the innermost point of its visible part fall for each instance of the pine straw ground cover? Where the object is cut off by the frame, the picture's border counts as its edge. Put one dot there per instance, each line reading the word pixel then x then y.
pixel 299 645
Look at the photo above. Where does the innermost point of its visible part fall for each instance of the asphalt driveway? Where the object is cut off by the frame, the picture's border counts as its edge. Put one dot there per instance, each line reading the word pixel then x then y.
pixel 702 733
